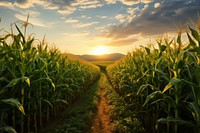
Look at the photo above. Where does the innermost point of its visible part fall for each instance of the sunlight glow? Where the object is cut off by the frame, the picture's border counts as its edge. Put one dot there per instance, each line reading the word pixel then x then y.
pixel 100 50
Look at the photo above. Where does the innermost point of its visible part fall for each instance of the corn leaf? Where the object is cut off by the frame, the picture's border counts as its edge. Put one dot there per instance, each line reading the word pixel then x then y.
pixel 63 101
pixel 190 40
pixel 7 129
pixel 179 39
pixel 20 33
pixel 177 121
pixel 13 82
pixel 171 83
pixel 15 103
pixel 195 34
pixel 47 101
pixel 141 89
pixel 195 108
pixel 147 50
pixel 151 96
pixel 162 73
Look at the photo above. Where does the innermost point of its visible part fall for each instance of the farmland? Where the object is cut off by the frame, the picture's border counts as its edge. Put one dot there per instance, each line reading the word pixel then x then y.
pixel 151 90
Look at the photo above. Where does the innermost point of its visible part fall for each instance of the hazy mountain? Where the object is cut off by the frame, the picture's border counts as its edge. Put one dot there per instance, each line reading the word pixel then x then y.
pixel 105 57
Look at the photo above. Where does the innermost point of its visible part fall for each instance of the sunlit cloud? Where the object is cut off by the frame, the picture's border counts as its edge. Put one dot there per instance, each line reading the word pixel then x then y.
pixel 121 17
pixel 101 16
pixel 156 5
pixel 129 2
pixel 87 4
pixel 6 4
pixel 81 34
pixel 91 6
pixel 154 21
pixel 85 17
pixel 66 10
pixel 33 21
pixel 82 25
pixel 71 20
pixel 122 42
pixel 113 23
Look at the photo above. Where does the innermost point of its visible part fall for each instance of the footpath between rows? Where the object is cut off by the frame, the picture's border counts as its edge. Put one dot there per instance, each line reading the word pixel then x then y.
pixel 89 114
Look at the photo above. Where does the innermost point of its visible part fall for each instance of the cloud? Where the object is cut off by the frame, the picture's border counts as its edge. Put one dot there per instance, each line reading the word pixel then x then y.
pixel 85 4
pixel 84 17
pixel 77 34
pixel 62 6
pixel 156 5
pixel 122 42
pixel 71 20
pixel 101 16
pixel 128 2
pixel 33 21
pixel 121 17
pixel 6 4
pixel 82 25
pixel 157 19
pixel 66 10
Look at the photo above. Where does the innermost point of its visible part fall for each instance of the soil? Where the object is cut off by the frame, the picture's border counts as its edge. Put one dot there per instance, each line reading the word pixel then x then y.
pixel 101 122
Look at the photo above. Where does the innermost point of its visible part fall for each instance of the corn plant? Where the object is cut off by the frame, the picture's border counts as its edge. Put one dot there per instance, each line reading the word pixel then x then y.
pixel 37 81
pixel 165 81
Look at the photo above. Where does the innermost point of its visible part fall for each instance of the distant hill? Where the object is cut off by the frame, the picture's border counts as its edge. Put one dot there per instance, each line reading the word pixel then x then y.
pixel 105 57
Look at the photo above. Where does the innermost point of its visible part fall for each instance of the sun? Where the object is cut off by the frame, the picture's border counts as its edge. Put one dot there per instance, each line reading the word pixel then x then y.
pixel 100 50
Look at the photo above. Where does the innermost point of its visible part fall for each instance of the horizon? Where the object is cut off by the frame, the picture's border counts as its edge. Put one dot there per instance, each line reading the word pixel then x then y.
pixel 101 26
pixel 96 54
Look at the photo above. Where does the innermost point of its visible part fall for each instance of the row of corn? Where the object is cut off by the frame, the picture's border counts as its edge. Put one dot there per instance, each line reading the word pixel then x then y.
pixel 37 81
pixel 161 85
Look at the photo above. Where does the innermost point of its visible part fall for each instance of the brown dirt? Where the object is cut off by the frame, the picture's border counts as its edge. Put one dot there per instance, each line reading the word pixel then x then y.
pixel 101 122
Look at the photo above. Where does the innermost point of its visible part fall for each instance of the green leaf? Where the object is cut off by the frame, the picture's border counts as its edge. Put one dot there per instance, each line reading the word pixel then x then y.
pixel 195 34
pixel 162 73
pixel 196 49
pixel 162 49
pixel 177 121
pixel 194 107
pixel 8 129
pixel 47 101
pixel 53 85
pixel 170 101
pixel 151 96
pixel 15 103
pixel 27 80
pixel 179 39
pixel 191 41
pixel 20 33
pixel 63 101
pixel 13 82
pixel 147 50
pixel 197 75
pixel 171 83
pixel 141 89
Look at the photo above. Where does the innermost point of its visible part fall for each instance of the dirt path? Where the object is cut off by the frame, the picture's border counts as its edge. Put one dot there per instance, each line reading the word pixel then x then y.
pixel 101 122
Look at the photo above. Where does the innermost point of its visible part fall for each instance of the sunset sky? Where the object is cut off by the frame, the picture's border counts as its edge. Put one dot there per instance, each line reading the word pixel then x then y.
pixel 114 26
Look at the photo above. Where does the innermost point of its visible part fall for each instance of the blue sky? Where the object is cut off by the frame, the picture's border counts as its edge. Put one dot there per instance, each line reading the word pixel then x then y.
pixel 80 26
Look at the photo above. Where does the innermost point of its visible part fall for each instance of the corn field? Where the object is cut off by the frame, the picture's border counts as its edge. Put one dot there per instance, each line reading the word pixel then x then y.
pixel 161 85
pixel 37 81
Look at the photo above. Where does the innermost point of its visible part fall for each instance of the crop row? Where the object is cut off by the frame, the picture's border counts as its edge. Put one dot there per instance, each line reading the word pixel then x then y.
pixel 161 85
pixel 37 81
